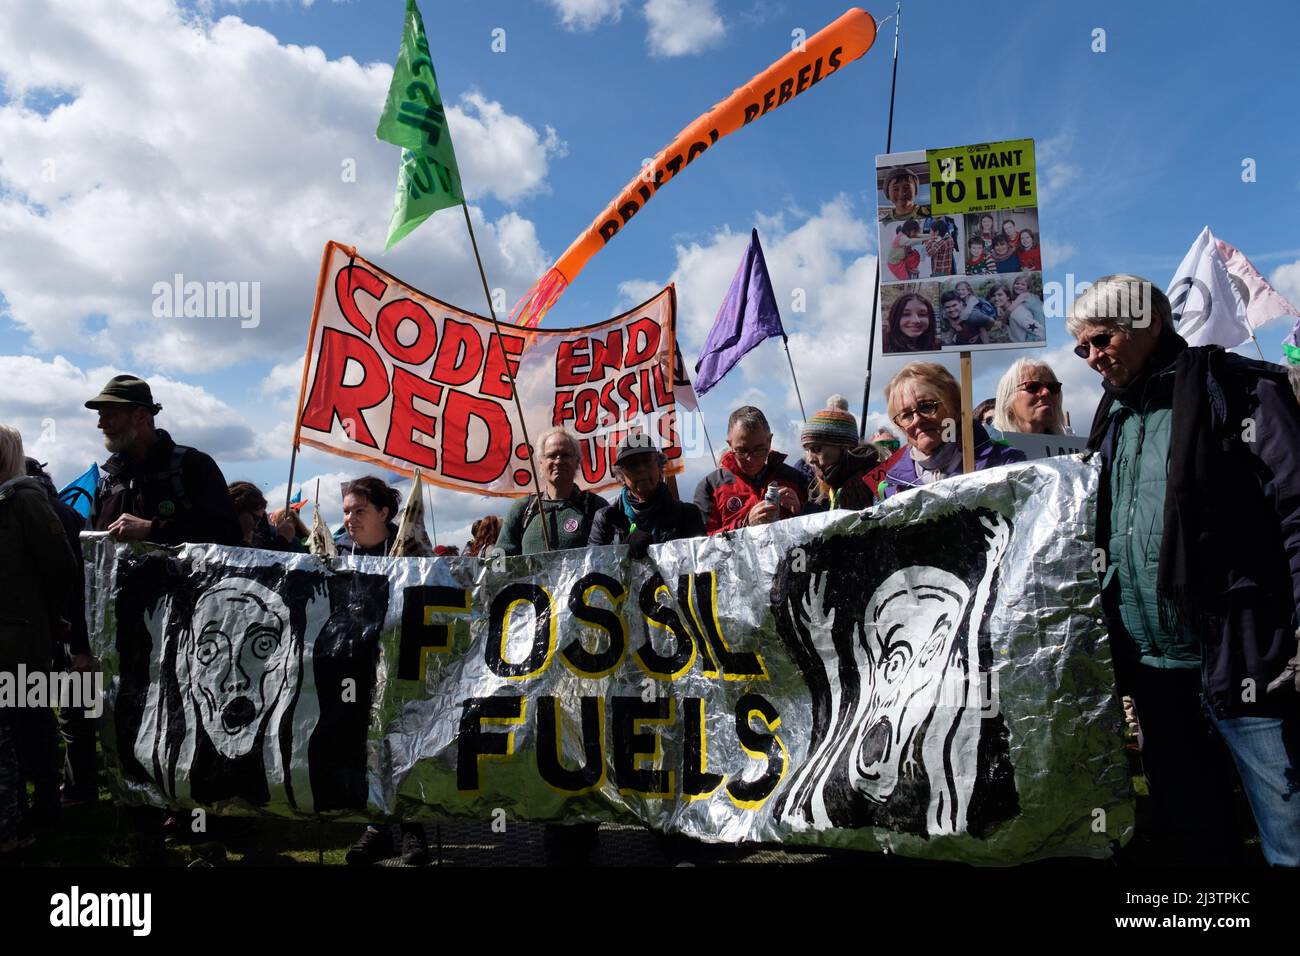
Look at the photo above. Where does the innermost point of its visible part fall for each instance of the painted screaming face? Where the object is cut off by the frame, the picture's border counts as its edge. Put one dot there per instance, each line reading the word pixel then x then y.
pixel 239 661
pixel 909 631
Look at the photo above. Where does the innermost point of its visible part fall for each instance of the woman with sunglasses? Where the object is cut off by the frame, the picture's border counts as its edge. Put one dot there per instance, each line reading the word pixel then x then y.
pixel 924 400
pixel 1029 399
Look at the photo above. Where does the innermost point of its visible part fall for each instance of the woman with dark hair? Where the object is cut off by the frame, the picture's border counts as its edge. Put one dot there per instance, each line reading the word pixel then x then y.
pixel 369 507
pixel 911 325
pixel 250 508
pixel 1021 312
pixel 1011 233
pixel 1031 256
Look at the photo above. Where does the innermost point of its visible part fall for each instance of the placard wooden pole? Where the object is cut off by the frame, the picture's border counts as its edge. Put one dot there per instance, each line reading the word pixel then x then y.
pixel 967 417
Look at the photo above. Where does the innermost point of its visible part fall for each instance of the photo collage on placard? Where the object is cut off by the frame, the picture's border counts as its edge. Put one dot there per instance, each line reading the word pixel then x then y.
pixel 963 281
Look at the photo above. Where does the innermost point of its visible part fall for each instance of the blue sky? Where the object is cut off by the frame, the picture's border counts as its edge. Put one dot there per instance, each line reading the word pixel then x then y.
pixel 232 174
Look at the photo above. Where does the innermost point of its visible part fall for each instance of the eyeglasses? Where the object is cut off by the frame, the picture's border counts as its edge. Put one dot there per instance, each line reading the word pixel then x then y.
pixel 908 415
pixel 759 451
pixel 1033 388
pixel 1098 342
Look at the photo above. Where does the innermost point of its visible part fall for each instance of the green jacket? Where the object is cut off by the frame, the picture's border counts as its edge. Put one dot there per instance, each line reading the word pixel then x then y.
pixel 1138 479
pixel 568 522
pixel 37 572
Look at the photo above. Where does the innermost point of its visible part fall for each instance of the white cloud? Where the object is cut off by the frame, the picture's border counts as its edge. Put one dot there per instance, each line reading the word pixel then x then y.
pixel 681 27
pixel 1056 252
pixel 283 378
pixel 45 401
pixel 1056 173
pixel 587 14
pixel 1286 279
pixel 238 168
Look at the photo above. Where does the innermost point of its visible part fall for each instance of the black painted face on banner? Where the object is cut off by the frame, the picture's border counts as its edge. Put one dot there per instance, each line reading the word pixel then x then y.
pixel 239 660
pixel 910 628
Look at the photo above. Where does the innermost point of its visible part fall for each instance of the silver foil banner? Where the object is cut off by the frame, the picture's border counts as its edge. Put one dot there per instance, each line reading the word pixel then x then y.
pixel 930 677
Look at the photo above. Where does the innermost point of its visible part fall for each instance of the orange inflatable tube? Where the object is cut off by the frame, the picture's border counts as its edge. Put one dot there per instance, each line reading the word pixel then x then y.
pixel 823 54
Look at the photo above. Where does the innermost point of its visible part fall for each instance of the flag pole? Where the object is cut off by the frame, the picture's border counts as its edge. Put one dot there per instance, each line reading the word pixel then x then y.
pixel 293 460
pixel 786 342
pixel 505 363
pixel 875 296
pixel 700 411
pixel 426 494
pixel 1255 341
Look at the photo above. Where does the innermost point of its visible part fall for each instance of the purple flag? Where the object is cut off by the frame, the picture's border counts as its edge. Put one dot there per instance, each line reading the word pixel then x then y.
pixel 747 317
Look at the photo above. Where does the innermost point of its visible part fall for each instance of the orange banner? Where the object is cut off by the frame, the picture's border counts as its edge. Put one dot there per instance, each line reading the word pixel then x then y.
pixel 844 41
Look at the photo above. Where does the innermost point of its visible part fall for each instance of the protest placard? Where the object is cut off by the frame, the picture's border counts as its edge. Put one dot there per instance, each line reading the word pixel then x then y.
pixel 960 249
pixel 399 379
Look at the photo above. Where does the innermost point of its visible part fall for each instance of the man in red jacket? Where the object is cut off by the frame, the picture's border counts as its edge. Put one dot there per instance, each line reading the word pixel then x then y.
pixel 733 496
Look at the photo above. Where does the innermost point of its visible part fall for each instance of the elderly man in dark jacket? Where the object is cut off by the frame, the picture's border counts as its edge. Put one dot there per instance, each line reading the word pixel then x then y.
pixel 1199 513
pixel 154 489
pixel 646 512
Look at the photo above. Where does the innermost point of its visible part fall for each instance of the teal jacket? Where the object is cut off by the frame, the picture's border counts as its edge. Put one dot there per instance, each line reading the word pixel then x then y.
pixel 1138 476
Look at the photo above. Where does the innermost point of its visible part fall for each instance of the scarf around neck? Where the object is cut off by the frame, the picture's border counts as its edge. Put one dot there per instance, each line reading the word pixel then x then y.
pixel 944 462
pixel 645 515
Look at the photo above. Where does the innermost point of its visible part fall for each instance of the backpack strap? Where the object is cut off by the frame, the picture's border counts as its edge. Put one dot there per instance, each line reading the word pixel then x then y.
pixel 173 476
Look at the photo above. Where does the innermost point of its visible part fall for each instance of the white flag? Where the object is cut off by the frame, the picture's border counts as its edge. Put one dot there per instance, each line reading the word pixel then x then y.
pixel 321 542
pixel 1208 308
pixel 412 539
pixel 1263 303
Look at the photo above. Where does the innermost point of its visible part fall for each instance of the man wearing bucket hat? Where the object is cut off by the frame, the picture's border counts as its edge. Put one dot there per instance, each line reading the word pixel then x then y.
pixel 152 488
pixel 646 512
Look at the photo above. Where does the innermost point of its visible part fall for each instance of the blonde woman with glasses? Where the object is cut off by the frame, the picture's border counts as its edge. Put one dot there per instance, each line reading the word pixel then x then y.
pixel 924 401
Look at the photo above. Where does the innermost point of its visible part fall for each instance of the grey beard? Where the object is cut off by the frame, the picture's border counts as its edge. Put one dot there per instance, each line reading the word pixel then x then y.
pixel 121 444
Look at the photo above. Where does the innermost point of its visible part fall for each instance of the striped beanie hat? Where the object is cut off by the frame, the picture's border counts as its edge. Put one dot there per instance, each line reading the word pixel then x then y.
pixel 833 425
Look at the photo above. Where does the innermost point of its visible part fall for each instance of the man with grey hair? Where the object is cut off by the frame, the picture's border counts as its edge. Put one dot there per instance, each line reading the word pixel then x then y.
pixel 153 489
pixel 735 494
pixel 1199 515
pixel 569 511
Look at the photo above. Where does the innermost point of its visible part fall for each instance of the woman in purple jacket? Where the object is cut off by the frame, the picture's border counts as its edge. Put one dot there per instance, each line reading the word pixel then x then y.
pixel 924 400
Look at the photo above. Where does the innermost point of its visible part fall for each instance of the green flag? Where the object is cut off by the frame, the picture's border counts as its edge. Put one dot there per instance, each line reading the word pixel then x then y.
pixel 415 120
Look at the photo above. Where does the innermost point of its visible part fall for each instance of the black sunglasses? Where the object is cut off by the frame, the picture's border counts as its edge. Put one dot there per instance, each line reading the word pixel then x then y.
pixel 1098 342
pixel 1035 387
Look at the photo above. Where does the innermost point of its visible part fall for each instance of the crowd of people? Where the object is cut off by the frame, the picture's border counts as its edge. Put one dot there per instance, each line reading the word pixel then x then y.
pixel 1199 521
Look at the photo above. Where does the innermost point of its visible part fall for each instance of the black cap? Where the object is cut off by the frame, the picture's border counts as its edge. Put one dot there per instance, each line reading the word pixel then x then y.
pixel 125 390
pixel 635 443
